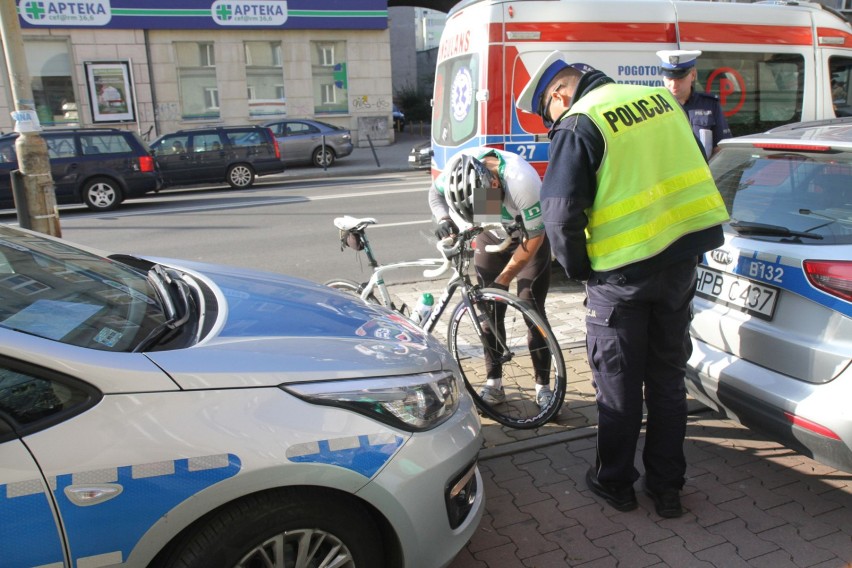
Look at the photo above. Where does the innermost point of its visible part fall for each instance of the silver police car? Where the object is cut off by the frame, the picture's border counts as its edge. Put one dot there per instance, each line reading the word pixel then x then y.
pixel 772 332
pixel 164 413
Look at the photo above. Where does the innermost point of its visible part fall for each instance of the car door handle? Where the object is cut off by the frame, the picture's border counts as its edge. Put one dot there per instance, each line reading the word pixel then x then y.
pixel 93 493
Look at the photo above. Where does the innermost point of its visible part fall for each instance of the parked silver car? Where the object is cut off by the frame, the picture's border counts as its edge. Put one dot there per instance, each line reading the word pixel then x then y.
pixel 165 413
pixel 311 141
pixel 772 332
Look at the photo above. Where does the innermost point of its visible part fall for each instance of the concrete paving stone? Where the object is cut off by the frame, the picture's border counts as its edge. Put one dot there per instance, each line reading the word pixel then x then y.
pixel 706 513
pixel 695 536
pixel 524 491
pixel 599 519
pixel 504 468
pixel 748 545
pixel 623 547
pixel 568 497
pixel 716 492
pixel 465 559
pixel 722 470
pixel 528 539
pixel 560 458
pixel 808 526
pixel 840 518
pixel 645 529
pixel 486 537
pixel 815 503
pixel 490 487
pixel 543 471
pixel 673 552
pixel 548 516
pixel 839 544
pixel 776 559
pixel 803 553
pixel 763 497
pixel 553 559
pixel 755 518
pixel 722 556
pixel 503 556
pixel 505 512
pixel 579 549
pixel 771 475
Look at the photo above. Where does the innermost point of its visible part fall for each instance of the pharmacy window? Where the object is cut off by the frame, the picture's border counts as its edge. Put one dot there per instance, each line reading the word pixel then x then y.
pixel 264 76
pixel 51 77
pixel 330 80
pixel 199 92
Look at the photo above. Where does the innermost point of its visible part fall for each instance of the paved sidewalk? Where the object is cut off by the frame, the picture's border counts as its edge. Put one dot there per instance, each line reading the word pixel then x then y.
pixel 751 502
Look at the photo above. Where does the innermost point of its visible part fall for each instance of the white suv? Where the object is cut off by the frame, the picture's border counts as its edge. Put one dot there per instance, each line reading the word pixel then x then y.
pixel 772 332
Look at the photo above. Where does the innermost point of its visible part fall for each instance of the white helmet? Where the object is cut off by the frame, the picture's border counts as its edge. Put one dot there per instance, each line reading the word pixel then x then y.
pixel 466 175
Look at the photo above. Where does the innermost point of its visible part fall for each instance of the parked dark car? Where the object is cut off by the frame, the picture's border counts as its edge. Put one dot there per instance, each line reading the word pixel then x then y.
pixel 303 141
pixel 235 154
pixel 100 167
pixel 420 156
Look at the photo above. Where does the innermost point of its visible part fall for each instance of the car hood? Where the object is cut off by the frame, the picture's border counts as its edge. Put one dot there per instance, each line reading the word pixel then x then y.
pixel 274 329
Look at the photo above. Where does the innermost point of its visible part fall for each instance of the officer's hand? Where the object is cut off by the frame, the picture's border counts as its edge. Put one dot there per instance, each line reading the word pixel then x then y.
pixel 446 228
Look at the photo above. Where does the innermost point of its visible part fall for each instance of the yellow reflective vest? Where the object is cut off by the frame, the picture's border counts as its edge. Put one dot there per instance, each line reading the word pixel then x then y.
pixel 654 185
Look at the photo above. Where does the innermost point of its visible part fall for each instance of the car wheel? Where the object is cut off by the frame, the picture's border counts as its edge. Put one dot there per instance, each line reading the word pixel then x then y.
pixel 240 176
pixel 323 160
pixel 285 527
pixel 102 194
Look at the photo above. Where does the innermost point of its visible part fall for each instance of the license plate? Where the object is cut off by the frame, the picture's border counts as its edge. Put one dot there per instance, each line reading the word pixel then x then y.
pixel 731 290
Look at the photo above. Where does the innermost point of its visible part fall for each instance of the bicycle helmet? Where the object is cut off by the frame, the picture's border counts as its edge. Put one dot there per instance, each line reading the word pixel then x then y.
pixel 467 176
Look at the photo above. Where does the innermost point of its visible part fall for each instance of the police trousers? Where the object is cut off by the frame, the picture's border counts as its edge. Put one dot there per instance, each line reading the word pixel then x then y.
pixel 637 338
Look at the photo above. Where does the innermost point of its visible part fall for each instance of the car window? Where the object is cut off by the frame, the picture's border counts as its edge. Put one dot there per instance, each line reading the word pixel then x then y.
pixel 804 192
pixel 7 152
pixel 60 146
pixel 207 142
pixel 26 398
pixel 104 143
pixel 176 144
pixel 51 290
pixel 276 128
pixel 245 138
pixel 300 128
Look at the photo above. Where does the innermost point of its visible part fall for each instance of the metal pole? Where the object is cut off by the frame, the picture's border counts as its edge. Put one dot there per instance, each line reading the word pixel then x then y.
pixel 375 156
pixel 39 212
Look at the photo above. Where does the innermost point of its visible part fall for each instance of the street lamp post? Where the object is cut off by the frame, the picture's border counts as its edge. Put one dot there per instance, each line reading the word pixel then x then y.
pixel 32 182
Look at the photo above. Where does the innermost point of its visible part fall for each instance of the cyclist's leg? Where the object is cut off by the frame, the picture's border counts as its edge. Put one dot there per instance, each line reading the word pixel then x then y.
pixel 488 266
pixel 533 286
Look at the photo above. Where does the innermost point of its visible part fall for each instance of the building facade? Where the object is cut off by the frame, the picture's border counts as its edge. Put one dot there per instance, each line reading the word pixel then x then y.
pixel 164 65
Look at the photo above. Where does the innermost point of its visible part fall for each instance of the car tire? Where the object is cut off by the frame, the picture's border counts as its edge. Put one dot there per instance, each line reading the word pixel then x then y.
pixel 317 157
pixel 257 529
pixel 240 176
pixel 102 194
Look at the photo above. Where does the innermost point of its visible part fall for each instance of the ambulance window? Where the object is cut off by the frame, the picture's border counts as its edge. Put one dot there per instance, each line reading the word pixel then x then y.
pixel 454 111
pixel 758 91
pixel 840 69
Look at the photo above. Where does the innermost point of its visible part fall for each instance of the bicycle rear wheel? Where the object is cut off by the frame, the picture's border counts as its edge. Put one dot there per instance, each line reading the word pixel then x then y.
pixel 351 287
pixel 511 356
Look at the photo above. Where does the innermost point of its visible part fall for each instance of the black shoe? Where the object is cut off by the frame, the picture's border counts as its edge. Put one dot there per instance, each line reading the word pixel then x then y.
pixel 667 502
pixel 621 498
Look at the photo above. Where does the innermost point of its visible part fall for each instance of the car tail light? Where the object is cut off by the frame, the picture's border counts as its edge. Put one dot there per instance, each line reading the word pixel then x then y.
pixel 792 147
pixel 811 426
pixel 275 143
pixel 146 164
pixel 831 276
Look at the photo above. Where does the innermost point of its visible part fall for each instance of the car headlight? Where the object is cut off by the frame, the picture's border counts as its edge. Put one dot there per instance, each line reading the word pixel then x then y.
pixel 413 403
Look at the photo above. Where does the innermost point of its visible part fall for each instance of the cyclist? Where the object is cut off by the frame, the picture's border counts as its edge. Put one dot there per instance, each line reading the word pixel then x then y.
pixel 482 182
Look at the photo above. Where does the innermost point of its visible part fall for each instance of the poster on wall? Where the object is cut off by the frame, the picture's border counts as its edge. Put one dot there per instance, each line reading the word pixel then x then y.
pixel 110 92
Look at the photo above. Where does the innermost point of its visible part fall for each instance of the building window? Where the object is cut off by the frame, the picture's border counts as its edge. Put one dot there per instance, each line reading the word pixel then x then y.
pixel 199 92
pixel 264 73
pixel 328 68
pixel 51 77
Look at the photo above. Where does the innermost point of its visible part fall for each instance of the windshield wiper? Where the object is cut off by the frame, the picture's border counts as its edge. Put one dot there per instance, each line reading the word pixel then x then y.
pixel 831 220
pixel 749 228
pixel 176 306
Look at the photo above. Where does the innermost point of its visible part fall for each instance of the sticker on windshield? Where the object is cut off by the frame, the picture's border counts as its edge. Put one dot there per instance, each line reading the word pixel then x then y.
pixel 461 94
pixel 108 337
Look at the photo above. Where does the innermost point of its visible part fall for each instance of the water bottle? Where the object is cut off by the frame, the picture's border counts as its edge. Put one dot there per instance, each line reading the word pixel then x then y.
pixel 423 308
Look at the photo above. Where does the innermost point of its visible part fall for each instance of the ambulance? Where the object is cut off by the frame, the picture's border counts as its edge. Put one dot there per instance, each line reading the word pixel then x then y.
pixel 770 63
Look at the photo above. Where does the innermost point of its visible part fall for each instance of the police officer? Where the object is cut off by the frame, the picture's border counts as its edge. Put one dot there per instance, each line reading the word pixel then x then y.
pixel 705 113
pixel 629 204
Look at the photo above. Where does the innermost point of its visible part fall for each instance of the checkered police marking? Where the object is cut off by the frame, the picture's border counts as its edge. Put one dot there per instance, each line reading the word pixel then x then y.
pixel 362 454
pixel 149 491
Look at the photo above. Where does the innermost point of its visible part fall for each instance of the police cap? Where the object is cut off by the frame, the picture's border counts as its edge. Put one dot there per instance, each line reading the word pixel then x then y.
pixel 676 63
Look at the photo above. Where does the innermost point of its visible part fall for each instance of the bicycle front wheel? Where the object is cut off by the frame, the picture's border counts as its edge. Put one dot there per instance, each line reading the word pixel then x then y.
pixel 504 337
pixel 351 287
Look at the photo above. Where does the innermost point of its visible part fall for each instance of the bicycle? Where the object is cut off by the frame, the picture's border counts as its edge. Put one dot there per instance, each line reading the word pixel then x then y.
pixel 475 332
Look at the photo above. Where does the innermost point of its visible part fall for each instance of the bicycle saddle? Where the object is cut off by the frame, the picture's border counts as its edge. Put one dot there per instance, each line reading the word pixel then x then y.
pixel 347 223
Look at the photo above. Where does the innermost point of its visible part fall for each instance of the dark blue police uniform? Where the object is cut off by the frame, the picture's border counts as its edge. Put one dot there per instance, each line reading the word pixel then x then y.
pixel 707 119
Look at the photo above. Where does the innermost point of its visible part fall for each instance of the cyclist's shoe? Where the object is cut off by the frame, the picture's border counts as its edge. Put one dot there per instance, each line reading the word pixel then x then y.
pixel 544 397
pixel 492 395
